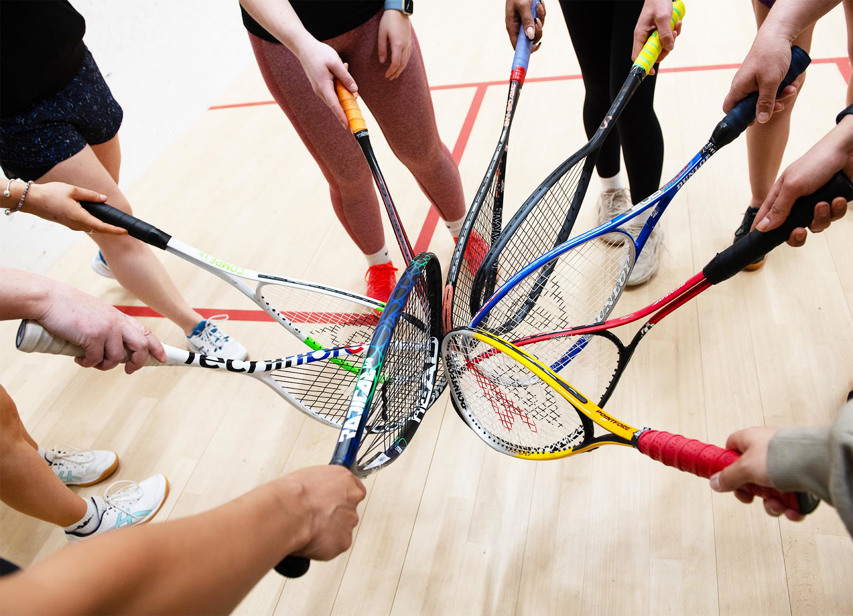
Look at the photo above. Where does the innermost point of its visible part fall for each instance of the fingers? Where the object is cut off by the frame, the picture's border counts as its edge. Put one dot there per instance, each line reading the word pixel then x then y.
pixel 338 71
pixel 85 220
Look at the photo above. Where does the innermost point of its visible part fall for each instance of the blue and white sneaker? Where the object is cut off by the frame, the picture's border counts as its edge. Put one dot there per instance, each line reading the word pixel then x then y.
pixel 81 467
pixel 124 503
pixel 99 264
pixel 208 339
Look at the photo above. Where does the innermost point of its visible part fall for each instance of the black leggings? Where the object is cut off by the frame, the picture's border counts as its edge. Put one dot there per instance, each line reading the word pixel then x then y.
pixel 602 33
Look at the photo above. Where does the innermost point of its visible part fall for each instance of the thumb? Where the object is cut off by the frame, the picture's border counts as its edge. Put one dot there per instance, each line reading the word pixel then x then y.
pixel 731 478
pixel 766 101
pixel 667 39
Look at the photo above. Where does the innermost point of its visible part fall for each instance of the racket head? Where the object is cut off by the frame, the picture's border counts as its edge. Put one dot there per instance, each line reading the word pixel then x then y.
pixel 507 398
pixel 395 386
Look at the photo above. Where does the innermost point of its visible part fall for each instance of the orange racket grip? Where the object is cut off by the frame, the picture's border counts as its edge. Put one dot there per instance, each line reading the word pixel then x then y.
pixel 651 50
pixel 350 105
pixel 702 459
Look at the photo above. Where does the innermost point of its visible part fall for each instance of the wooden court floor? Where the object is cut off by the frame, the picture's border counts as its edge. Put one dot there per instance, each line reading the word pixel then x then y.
pixel 454 527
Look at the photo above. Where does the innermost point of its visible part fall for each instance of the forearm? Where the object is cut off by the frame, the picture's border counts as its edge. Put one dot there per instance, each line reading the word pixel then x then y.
pixel 23 295
pixel 204 564
pixel 279 19
pixel 789 18
pixel 817 460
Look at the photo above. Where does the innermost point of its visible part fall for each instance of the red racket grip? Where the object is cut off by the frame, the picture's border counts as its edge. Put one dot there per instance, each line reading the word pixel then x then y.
pixel 692 456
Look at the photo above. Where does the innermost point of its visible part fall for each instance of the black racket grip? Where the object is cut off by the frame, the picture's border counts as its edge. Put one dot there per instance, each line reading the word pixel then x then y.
pixel 737 256
pixel 139 229
pixel 293 566
pixel 743 114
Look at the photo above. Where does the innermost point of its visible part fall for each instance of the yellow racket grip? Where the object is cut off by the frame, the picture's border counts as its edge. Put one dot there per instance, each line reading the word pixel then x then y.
pixel 651 50
pixel 350 105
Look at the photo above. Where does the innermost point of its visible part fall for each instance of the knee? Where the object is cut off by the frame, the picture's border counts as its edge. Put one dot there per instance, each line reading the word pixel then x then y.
pixel 11 428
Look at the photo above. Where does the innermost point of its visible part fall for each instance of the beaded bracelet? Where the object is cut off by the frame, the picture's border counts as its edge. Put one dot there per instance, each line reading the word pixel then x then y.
pixel 6 193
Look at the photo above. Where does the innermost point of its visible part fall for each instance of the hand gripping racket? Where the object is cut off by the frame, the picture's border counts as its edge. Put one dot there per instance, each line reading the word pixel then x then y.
pixel 319 316
pixel 394 388
pixel 593 358
pixel 293 377
pixel 547 216
pixel 359 130
pixel 515 422
pixel 580 281
pixel 484 219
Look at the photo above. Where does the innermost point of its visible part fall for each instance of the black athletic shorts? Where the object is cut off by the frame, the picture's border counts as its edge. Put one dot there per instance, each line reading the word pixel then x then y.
pixel 57 127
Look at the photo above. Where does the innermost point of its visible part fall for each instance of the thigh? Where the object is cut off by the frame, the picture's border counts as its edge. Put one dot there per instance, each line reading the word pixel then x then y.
pixel 588 22
pixel 332 146
pixel 401 107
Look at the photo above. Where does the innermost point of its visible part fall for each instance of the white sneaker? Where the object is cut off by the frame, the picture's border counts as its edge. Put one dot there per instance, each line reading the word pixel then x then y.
pixel 647 263
pixel 125 503
pixel 612 203
pixel 214 342
pixel 81 467
pixel 99 264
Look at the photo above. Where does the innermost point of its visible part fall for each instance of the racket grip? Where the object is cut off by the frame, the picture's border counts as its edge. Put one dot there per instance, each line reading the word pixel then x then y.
pixel 743 114
pixel 139 229
pixel 293 566
pixel 523 47
pixel 33 338
pixel 704 460
pixel 351 109
pixel 651 50
pixel 737 256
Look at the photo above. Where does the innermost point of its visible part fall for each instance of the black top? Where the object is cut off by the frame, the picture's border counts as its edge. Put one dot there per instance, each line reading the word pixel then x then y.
pixel 324 19
pixel 41 49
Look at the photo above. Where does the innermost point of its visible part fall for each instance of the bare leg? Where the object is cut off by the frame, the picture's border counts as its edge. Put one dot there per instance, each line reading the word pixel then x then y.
pixel 765 143
pixel 133 263
pixel 28 484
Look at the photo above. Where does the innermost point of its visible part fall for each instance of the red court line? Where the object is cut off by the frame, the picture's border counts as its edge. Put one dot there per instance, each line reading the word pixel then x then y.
pixel 233 315
pixel 431 220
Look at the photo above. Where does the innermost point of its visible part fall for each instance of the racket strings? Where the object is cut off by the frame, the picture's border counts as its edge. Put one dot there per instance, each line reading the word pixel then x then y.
pixel 398 385
pixel 331 320
pixel 476 245
pixel 578 287
pixel 321 386
pixel 589 362
pixel 507 404
pixel 544 226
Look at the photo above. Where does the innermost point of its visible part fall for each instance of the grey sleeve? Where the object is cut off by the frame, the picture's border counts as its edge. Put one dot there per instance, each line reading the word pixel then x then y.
pixel 817 460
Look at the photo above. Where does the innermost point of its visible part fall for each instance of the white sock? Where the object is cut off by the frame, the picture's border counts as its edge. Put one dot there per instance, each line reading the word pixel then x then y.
pixel 612 183
pixel 378 258
pixel 454 227
pixel 89 523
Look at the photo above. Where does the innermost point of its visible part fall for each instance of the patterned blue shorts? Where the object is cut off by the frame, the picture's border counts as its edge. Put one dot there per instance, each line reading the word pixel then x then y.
pixel 59 126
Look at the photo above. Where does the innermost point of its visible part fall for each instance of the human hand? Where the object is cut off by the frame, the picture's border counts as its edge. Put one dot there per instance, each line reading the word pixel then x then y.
pixel 751 467
pixel 60 202
pixel 395 35
pixel 329 496
pixel 762 70
pixel 322 65
pixel 108 336
pixel 517 14
pixel 655 15
pixel 804 176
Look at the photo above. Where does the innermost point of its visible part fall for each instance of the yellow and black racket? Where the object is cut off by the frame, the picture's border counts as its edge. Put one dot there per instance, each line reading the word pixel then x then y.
pixel 522 408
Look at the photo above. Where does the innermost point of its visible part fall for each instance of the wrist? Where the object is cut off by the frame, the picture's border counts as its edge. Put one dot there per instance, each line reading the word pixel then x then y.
pixel 405 7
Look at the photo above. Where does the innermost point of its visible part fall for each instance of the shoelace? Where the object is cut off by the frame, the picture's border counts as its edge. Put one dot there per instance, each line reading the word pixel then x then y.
pixel 212 334
pixel 73 455
pixel 120 492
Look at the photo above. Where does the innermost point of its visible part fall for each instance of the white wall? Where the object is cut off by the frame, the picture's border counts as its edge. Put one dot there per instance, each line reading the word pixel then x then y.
pixel 166 62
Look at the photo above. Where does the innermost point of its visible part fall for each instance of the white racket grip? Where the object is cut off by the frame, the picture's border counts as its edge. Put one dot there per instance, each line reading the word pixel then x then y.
pixel 33 338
